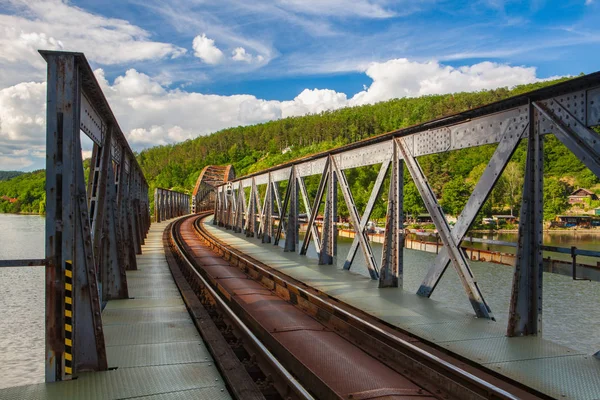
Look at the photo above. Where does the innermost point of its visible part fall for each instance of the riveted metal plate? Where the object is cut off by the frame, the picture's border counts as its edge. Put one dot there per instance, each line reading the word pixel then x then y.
pixel 593 107
pixel 368 155
pixel 566 108
pixel 115 150
pixel 280 175
pixel 314 167
pixel 490 129
pixel 432 141
pixel 90 122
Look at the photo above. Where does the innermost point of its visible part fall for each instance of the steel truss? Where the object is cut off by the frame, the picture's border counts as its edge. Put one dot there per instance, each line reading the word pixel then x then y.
pixel 93 233
pixel 211 176
pixel 170 204
pixel 568 110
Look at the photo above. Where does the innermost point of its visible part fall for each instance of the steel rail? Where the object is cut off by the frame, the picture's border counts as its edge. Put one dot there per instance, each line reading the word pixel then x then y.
pixel 492 391
pixel 298 389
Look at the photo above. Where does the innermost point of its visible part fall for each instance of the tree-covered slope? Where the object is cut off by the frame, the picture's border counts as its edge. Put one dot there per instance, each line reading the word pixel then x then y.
pixel 452 175
pixel 6 175
pixel 25 193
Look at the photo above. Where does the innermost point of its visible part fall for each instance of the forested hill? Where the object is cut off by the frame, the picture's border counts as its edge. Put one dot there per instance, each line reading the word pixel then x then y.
pixel 252 148
pixel 452 175
pixel 6 175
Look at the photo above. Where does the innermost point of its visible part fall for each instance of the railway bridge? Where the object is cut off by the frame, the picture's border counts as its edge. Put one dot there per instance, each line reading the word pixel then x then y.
pixel 232 291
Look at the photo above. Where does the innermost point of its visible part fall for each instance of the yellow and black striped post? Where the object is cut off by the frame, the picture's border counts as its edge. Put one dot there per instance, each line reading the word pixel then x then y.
pixel 68 355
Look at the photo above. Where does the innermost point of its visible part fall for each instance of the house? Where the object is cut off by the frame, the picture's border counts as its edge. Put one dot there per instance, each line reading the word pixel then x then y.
pixel 9 199
pixel 597 211
pixel 569 221
pixel 505 219
pixel 580 195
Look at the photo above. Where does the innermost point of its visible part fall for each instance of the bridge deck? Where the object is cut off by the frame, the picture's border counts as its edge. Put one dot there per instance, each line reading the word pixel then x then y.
pixel 553 369
pixel 151 341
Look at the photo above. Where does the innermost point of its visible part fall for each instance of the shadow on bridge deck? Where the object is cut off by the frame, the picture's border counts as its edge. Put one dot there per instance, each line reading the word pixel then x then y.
pixel 151 343
pixel 553 369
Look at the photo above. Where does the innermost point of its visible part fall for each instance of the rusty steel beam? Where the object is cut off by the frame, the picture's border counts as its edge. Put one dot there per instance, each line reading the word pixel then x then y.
pixel 85 224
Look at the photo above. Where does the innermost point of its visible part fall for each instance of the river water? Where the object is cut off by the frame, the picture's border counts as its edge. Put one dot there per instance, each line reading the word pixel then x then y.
pixel 22 296
pixel 571 308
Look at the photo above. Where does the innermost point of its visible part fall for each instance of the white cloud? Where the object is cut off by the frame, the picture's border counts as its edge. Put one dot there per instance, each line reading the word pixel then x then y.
pixel 589 2
pixel 240 54
pixel 151 114
pixel 22 125
pixel 56 25
pixel 205 49
pixel 340 8
pixel 404 78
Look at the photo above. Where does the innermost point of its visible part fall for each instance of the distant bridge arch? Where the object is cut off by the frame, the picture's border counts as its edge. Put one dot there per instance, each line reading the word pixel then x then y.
pixel 210 177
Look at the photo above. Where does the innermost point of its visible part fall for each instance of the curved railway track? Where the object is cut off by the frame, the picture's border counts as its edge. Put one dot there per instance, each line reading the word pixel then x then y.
pixel 286 340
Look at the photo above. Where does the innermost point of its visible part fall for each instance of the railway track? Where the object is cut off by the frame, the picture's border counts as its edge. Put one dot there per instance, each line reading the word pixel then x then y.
pixel 273 337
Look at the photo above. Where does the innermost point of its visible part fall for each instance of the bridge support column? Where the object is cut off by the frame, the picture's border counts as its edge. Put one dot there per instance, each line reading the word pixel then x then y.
pixel 268 212
pixel 329 237
pixel 240 209
pixel 251 222
pixel 525 314
pixel 291 232
pixel 392 257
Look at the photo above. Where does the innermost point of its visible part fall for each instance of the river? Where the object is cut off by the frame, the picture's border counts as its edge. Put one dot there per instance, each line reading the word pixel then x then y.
pixel 571 308
pixel 22 296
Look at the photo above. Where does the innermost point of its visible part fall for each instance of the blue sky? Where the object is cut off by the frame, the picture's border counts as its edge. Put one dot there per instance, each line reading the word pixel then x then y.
pixel 173 70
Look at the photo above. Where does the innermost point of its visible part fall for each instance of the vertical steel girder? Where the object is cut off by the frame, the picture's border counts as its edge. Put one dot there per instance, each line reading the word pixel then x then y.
pixel 291 232
pixel 267 224
pixel 502 155
pixel 240 209
pixel 392 257
pixel 74 336
pixel 525 312
pixel 459 259
pixel 329 239
pixel 360 233
pixel 252 207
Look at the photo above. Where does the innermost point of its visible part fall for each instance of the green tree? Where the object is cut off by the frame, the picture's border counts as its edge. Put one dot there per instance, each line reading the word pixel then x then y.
pixel 513 176
pixel 413 203
pixel 556 194
pixel 455 195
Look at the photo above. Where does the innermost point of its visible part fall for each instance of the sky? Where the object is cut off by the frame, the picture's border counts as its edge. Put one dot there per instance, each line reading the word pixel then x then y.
pixel 174 70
